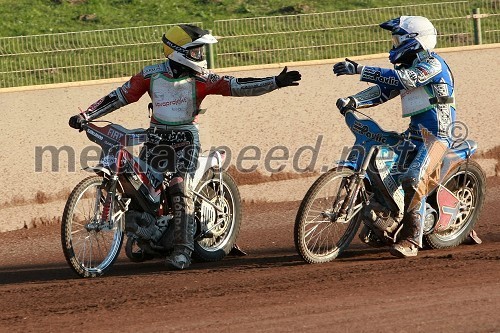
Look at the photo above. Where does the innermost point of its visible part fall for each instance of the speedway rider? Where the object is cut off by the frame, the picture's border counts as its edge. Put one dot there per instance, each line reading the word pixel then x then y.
pixel 177 87
pixel 426 86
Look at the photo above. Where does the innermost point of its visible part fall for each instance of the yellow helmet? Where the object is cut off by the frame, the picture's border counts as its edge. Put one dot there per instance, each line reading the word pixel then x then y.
pixel 185 44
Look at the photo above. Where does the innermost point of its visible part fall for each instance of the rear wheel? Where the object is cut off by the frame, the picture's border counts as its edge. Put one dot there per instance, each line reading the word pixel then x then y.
pixel 222 224
pixel 318 236
pixel 468 183
pixel 90 245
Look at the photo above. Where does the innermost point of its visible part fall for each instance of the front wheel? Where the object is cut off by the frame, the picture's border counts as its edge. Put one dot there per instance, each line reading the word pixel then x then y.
pixel 318 236
pixel 468 183
pixel 217 205
pixel 90 244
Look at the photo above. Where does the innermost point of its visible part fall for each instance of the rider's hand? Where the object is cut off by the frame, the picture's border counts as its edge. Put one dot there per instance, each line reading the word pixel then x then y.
pixel 76 122
pixel 285 79
pixel 347 67
pixel 344 104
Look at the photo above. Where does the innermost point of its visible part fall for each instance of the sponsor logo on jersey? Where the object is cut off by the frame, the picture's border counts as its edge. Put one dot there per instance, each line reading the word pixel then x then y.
pixel 178 101
pixel 376 75
pixel 149 70
pixel 213 78
pixel 95 105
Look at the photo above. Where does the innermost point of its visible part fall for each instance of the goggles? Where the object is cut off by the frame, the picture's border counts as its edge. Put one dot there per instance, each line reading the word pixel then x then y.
pixel 196 54
pixel 399 39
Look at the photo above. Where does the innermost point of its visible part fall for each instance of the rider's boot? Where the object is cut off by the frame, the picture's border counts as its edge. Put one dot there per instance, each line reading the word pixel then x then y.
pixel 408 247
pixel 179 259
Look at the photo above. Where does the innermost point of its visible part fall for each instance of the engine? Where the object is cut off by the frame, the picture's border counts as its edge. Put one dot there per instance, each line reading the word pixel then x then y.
pixel 381 218
pixel 145 225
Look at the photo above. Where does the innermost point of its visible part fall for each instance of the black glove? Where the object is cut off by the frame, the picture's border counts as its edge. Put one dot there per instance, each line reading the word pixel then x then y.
pixel 285 79
pixel 76 122
pixel 347 67
pixel 345 104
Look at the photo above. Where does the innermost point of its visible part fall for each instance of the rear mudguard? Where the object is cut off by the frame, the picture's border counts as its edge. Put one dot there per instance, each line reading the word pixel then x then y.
pixel 214 159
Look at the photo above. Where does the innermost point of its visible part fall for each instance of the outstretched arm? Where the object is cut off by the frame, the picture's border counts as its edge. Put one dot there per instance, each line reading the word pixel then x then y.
pixel 401 78
pixel 249 86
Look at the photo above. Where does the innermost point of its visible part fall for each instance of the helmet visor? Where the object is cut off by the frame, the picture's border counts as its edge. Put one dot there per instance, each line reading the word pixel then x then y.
pixel 196 54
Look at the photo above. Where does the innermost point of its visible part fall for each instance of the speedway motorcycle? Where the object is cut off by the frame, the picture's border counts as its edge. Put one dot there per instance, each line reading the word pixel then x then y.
pixel 127 193
pixel 363 190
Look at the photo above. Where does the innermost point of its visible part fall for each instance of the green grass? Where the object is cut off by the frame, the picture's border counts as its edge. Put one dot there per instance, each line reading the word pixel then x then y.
pixel 281 37
pixel 31 17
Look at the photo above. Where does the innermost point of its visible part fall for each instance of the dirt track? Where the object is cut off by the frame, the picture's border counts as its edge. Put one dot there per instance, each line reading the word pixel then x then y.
pixel 295 118
pixel 269 290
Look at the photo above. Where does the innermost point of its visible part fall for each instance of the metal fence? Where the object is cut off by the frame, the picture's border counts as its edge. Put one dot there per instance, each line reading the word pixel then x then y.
pixel 489 20
pixel 88 55
pixel 344 33
pixel 79 56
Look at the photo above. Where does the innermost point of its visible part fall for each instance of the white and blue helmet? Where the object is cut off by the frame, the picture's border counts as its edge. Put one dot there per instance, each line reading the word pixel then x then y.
pixel 410 34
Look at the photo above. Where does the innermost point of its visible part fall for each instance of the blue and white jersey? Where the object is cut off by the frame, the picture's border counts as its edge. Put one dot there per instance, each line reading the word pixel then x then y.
pixel 426 89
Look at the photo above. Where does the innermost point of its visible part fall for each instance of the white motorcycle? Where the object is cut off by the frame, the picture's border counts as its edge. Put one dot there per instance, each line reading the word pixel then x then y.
pixel 126 192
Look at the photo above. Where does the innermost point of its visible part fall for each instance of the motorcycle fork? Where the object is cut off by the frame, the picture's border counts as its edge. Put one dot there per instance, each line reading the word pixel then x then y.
pixel 108 201
pixel 107 217
pixel 355 186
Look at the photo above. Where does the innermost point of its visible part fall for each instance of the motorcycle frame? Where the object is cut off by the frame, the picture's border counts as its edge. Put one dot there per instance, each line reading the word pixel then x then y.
pixel 360 175
pixel 125 138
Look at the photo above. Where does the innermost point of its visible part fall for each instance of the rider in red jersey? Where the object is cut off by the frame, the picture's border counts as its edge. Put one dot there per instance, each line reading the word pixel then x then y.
pixel 176 88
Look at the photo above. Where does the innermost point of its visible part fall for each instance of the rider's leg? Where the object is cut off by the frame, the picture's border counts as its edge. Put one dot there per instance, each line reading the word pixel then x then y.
pixel 180 190
pixel 182 201
pixel 414 206
pixel 423 174
pixel 413 221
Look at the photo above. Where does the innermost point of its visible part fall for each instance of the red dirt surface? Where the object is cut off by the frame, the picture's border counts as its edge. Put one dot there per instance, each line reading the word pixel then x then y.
pixel 269 290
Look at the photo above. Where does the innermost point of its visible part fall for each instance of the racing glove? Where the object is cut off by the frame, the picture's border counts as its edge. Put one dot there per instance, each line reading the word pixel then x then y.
pixel 285 79
pixel 76 122
pixel 347 67
pixel 344 104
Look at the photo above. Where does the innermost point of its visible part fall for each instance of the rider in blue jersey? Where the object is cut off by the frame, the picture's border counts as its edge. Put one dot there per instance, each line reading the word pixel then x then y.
pixel 426 86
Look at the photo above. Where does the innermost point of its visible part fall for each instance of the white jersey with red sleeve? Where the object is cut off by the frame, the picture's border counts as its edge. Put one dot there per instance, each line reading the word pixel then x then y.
pixel 177 100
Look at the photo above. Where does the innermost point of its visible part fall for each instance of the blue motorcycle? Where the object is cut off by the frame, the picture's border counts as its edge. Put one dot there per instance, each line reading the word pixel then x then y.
pixel 363 189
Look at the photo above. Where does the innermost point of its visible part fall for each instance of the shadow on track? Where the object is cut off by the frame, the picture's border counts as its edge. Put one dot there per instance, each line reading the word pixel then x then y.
pixel 261 258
